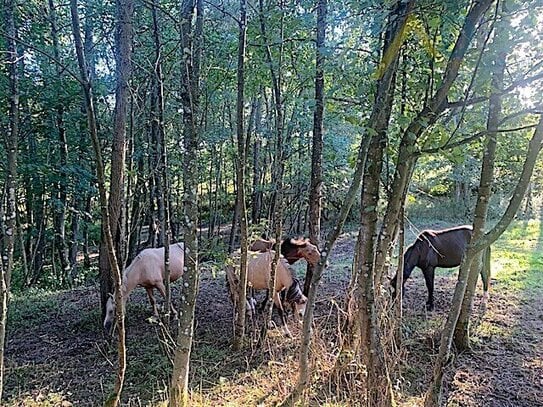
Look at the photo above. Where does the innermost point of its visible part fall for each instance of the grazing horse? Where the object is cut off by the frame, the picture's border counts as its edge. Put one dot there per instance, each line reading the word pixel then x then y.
pixel 291 249
pixel 258 278
pixel 440 248
pixel 147 270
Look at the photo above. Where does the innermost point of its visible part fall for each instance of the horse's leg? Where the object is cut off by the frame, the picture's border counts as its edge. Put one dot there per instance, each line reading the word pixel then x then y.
pixel 262 307
pixel 282 315
pixel 152 300
pixel 429 274
pixel 485 273
pixel 162 290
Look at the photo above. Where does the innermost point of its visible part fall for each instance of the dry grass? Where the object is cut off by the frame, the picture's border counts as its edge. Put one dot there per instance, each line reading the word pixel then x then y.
pixel 56 353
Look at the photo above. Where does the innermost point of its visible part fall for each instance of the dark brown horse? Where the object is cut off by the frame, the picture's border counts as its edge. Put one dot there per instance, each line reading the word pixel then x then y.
pixel 440 248
pixel 292 249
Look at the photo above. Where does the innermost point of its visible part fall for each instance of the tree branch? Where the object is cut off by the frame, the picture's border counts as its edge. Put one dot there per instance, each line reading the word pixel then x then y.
pixel 449 146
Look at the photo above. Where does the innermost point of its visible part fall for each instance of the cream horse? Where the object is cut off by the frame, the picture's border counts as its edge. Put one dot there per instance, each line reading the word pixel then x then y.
pixel 147 270
pixel 258 278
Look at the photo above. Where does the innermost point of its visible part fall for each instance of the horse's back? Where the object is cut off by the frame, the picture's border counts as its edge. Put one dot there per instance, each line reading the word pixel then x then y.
pixel 446 247
pixel 147 268
pixel 259 270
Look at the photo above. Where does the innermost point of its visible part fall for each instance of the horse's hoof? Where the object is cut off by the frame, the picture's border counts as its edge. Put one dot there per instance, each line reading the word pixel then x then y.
pixel 286 332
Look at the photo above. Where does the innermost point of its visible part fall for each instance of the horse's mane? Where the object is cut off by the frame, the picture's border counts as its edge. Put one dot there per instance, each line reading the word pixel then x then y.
pixel 434 233
pixel 128 268
pixel 297 242
pixel 294 292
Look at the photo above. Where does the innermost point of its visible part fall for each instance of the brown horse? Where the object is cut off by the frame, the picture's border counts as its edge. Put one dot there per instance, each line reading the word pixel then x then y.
pixel 291 249
pixel 258 278
pixel 147 270
pixel 440 248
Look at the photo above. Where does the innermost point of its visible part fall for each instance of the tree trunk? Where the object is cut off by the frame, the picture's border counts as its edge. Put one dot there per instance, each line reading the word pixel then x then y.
pixel 123 70
pixel 433 395
pixel 157 111
pixel 191 40
pixel 239 330
pixel 276 202
pixel 379 387
pixel 315 188
pixel 379 120
pixel 100 174
pixel 9 198
pixel 256 196
pixel 427 116
pixel 461 335
pixel 59 217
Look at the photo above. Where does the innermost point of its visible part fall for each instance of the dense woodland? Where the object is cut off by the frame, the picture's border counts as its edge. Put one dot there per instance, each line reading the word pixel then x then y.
pixel 131 124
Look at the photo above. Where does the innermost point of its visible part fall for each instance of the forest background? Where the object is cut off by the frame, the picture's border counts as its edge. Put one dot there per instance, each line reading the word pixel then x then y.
pixel 217 122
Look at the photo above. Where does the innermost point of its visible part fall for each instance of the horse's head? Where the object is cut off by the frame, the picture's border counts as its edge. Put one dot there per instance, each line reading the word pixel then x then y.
pixel 296 300
pixel 410 260
pixel 110 314
pixel 294 249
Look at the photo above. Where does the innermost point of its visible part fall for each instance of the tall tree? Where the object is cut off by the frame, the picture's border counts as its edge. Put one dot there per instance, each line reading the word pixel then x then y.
pixel 276 204
pixel 61 194
pixel 433 395
pixel 379 388
pixel 501 48
pixel 315 188
pixel 104 209
pixel 241 166
pixel 9 194
pixel 427 116
pixel 123 69
pixel 191 41
pixel 157 127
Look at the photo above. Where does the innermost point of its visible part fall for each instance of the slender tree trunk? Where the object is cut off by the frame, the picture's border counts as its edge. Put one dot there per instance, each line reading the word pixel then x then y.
pixel 191 40
pixel 123 70
pixel 256 198
pixel 239 331
pixel 162 176
pixel 315 189
pixel 100 173
pixel 9 199
pixel 35 214
pixel 279 164
pixel 427 116
pixel 379 387
pixel 363 154
pixel 461 335
pixel 433 395
pixel 136 210
pixel 60 193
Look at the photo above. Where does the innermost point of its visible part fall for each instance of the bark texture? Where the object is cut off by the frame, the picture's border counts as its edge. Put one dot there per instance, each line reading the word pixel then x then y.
pixel 239 330
pixel 191 37
pixel 9 198
pixel 114 399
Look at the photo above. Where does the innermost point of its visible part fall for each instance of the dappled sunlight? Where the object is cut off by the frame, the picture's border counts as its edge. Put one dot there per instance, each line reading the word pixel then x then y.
pixel 517 259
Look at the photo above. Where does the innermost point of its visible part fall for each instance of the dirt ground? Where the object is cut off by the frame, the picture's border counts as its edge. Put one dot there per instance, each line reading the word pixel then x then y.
pixel 56 353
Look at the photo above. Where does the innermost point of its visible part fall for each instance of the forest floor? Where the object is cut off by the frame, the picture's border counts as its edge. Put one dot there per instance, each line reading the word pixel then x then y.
pixel 56 354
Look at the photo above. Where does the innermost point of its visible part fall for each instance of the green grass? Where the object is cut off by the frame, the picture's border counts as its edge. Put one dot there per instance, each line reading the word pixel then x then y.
pixel 32 308
pixel 517 257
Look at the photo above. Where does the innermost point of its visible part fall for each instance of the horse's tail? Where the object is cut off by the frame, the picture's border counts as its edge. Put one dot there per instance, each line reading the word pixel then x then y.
pixel 485 272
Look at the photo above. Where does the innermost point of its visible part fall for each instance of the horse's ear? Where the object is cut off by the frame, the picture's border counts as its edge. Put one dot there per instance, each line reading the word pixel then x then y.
pixel 110 295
